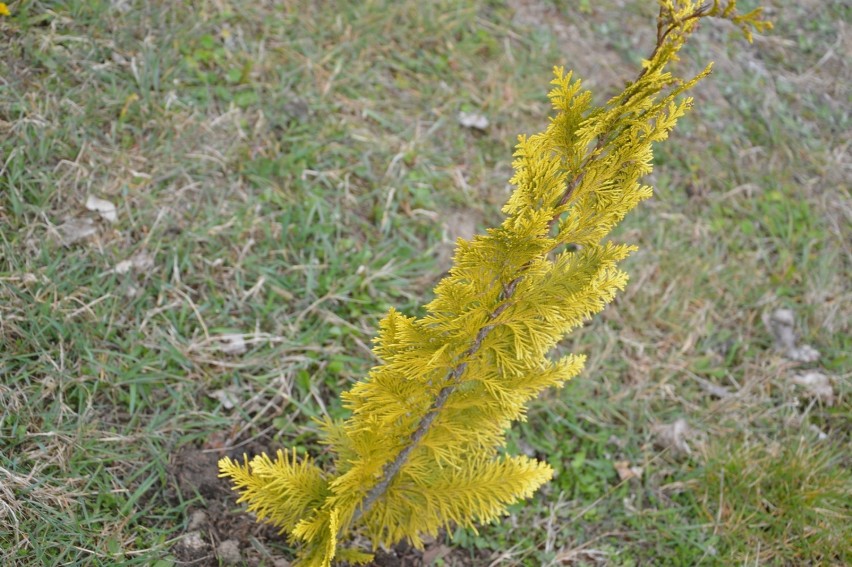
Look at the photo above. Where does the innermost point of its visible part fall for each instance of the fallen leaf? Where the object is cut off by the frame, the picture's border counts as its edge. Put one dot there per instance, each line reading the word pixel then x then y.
pixel 711 388
pixel 141 262
pixel 122 6
pixel 625 471
pixel 123 267
pixel 233 344
pixel 716 390
pixel 217 440
pixel 817 385
pixel 676 487
pixel 131 291
pixel 781 323
pixel 674 435
pixel 803 353
pixel 103 207
pixel 75 230
pixel 821 435
pixel 226 396
pixel 433 554
pixel 473 120
pixel 296 110
pixel 582 556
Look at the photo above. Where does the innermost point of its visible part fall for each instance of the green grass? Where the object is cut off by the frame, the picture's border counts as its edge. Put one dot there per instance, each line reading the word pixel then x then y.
pixel 786 503
pixel 285 172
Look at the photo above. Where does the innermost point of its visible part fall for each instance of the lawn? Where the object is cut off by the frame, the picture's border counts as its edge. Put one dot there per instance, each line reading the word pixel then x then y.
pixel 206 208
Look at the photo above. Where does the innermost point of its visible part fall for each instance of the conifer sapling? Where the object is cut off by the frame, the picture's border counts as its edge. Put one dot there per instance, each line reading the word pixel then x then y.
pixel 422 447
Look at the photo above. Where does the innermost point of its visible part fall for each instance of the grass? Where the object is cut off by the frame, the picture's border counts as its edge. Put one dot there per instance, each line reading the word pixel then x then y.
pixel 786 503
pixel 284 172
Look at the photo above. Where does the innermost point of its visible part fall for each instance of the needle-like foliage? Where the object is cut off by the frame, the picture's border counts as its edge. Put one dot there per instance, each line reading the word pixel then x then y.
pixel 422 447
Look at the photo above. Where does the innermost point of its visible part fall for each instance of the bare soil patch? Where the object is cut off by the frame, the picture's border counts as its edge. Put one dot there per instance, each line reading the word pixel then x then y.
pixel 216 527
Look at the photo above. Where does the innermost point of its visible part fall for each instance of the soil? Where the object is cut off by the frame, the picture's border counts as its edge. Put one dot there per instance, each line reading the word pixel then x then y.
pixel 215 522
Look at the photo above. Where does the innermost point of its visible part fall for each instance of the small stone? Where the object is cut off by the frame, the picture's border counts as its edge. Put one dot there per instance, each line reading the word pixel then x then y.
pixel 75 230
pixel 106 209
pixel 228 397
pixel 626 472
pixel 473 120
pixel 817 385
pixel 674 436
pixel 781 323
pixel 123 267
pixel 197 520
pixel 229 552
pixel 193 541
pixel 233 343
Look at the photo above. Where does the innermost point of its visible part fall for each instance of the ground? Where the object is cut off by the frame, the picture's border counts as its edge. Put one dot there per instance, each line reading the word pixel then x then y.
pixel 205 209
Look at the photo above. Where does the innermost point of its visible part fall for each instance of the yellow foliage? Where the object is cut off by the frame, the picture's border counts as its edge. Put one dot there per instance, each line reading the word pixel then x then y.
pixel 422 449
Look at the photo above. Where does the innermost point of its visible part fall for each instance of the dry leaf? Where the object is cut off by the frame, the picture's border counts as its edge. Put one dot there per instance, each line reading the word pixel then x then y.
pixel 296 110
pixel 674 435
pixel 803 353
pixel 123 267
pixel 781 323
pixel 227 397
pixel 103 207
pixel 711 388
pixel 141 262
pixel 625 471
pixel 716 390
pixel 431 555
pixel 817 385
pixel 821 435
pixel 121 6
pixel 473 120
pixel 582 556
pixel 75 230
pixel 233 344
pixel 193 541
